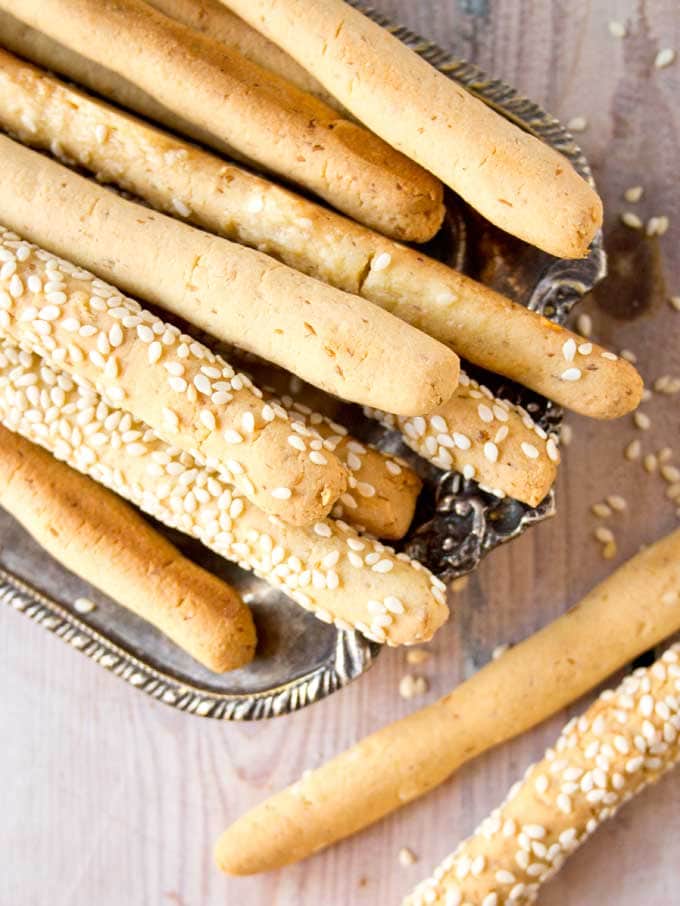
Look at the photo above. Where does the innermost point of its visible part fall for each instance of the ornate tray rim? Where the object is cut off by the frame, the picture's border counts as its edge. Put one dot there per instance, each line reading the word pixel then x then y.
pixel 560 287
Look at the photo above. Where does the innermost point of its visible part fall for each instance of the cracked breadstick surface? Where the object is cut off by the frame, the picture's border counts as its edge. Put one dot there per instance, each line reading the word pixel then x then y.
pixel 193 398
pixel 511 177
pixel 176 177
pixel 622 744
pixel 335 340
pixel 260 116
pixel 628 613
pixel 327 568
pixel 106 542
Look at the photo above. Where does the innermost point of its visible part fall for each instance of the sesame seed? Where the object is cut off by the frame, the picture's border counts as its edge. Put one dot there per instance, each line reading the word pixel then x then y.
pixel 485 413
pixel 571 374
pixel 617 503
pixel 569 350
pixel 181 207
pixel 629 356
pixel 491 451
pixel 642 420
pixel 283 494
pixel 319 459
pixel 601 510
pixel 407 857
pixel 632 450
pixel 633 194
pixel 631 220
pixel 412 686
pixel 392 467
pixel 657 226
pixel 584 324
pixel 674 302
pixel 461 441
pixel 617 29
pixel 577 124
pixel 529 450
pixel 233 437
pixel 381 262
pixel 664 57
pixel 585 348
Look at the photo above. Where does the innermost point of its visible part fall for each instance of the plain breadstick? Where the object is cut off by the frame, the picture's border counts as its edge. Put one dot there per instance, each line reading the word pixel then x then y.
pixel 630 612
pixel 335 340
pixel 516 181
pixel 485 438
pixel 260 116
pixel 328 568
pixel 173 176
pixel 104 541
pixel 622 744
pixel 193 398
pixel 214 20
pixel 33 44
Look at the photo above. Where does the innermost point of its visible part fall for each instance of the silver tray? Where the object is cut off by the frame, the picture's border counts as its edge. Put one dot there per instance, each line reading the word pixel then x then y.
pixel 300 659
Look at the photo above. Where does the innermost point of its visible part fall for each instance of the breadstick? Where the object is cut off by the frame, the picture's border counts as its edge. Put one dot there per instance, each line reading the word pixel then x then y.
pixel 104 541
pixel 193 398
pixel 480 324
pixel 485 438
pixel 213 19
pixel 622 744
pixel 337 341
pixel 259 115
pixel 516 181
pixel 382 490
pixel 35 45
pixel 328 568
pixel 630 612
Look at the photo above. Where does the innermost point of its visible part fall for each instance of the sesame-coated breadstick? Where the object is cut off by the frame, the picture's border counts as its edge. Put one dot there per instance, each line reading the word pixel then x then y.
pixel 327 568
pixel 630 612
pixel 214 20
pixel 516 181
pixel 335 340
pixel 260 116
pixel 175 176
pixel 622 744
pixel 485 438
pixel 193 398
pixel 382 490
pixel 106 542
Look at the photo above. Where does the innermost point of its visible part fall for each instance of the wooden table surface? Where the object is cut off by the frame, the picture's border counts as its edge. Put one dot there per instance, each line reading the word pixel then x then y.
pixel 110 798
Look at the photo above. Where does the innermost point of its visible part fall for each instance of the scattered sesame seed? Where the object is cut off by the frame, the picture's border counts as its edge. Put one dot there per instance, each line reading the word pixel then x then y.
pixel 617 29
pixel 412 686
pixel 584 324
pixel 674 302
pixel 664 57
pixel 657 226
pixel 609 550
pixel 566 435
pixel 617 503
pixel 631 220
pixel 633 450
pixel 407 857
pixel 633 194
pixel 601 510
pixel 603 534
pixel 417 656
pixel 577 124
pixel 671 474
pixel 642 420
pixel 84 605
pixel 650 463
pixel 629 356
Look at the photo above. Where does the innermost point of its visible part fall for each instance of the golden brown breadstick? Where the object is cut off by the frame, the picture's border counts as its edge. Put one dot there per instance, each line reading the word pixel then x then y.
pixel 173 176
pixel 193 398
pixel 35 45
pixel 630 612
pixel 104 541
pixel 382 490
pixel 328 569
pixel 512 178
pixel 622 744
pixel 214 20
pixel 261 117
pixel 337 341
pixel 485 438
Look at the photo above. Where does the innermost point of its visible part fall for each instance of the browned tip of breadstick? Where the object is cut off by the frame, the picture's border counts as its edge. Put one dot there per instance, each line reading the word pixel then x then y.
pixel 103 540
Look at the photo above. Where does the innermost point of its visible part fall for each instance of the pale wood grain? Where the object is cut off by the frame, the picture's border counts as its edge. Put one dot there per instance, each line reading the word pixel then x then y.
pixel 110 798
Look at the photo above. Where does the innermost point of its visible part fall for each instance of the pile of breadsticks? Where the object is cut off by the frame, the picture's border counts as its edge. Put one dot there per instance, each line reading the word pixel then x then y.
pixel 319 97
